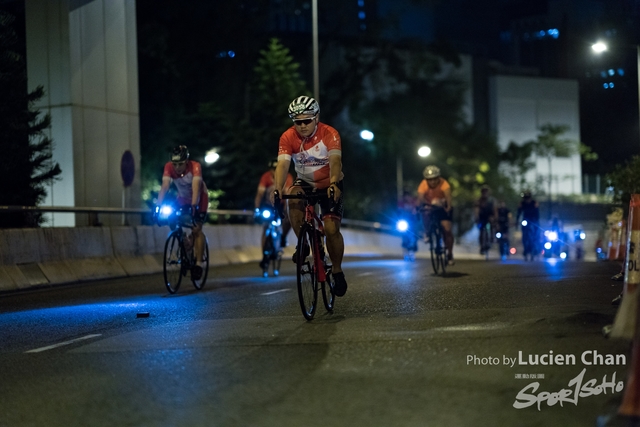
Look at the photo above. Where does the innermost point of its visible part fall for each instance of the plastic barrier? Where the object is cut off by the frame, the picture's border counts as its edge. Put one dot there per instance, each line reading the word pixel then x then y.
pixel 626 322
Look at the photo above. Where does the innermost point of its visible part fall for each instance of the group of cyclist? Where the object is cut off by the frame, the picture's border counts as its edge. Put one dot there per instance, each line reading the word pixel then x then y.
pixel 496 217
pixel 316 151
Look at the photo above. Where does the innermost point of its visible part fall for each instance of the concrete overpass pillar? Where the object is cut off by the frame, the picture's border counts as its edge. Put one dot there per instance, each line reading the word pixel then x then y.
pixel 84 53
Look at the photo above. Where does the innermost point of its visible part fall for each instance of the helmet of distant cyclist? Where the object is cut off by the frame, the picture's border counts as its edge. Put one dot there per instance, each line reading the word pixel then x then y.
pixel 180 154
pixel 303 105
pixel 431 172
pixel 526 194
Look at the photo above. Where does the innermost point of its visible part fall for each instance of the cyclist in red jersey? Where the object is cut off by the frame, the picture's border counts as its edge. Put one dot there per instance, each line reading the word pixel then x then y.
pixel 435 190
pixel 192 191
pixel 263 194
pixel 316 151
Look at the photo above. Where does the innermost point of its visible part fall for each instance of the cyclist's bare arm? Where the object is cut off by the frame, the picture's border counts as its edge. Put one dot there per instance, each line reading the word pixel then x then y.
pixel 166 183
pixel 195 189
pixel 449 199
pixel 282 169
pixel 335 172
pixel 259 195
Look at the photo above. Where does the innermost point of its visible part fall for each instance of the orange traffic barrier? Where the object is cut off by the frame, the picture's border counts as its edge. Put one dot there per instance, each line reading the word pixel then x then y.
pixel 627 322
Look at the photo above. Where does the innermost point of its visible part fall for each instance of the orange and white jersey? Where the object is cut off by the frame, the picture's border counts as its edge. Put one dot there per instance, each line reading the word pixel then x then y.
pixel 433 196
pixel 311 155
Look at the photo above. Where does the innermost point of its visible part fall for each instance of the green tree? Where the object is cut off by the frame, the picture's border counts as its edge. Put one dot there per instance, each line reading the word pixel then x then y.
pixel 26 149
pixel 625 179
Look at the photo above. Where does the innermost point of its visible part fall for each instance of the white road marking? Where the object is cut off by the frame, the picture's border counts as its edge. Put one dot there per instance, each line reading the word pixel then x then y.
pixel 50 347
pixel 369 273
pixel 276 292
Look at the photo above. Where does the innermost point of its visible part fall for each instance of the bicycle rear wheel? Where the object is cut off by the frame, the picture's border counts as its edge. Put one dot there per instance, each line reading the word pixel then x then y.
pixel 306 273
pixel 199 284
pixel 172 266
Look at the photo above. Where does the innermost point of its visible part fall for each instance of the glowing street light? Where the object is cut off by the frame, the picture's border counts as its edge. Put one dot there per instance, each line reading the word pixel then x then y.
pixel 599 47
pixel 424 151
pixel 367 135
pixel 212 156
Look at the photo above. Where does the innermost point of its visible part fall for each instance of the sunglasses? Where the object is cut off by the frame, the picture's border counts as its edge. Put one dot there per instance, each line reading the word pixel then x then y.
pixel 303 121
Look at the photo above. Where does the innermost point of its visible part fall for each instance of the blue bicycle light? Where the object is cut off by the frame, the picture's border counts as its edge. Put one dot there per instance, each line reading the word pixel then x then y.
pixel 402 225
pixel 524 223
pixel 165 211
pixel 266 214
pixel 498 235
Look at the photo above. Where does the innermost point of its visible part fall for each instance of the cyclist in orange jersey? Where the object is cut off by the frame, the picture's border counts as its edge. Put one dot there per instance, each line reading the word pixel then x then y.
pixel 436 191
pixel 316 151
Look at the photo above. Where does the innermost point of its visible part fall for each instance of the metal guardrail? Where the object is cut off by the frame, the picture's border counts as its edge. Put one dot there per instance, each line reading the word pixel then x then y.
pixel 354 223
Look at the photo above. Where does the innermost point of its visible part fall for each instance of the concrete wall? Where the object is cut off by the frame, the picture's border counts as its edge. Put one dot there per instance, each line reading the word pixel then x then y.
pixel 520 105
pixel 51 256
pixel 84 54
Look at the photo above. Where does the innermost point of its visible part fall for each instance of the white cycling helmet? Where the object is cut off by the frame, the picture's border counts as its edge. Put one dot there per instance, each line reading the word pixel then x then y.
pixel 431 172
pixel 303 105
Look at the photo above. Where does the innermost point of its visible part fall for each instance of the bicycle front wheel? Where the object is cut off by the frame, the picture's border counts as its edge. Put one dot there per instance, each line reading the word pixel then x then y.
pixel 199 284
pixel 434 245
pixel 328 294
pixel 172 267
pixel 306 273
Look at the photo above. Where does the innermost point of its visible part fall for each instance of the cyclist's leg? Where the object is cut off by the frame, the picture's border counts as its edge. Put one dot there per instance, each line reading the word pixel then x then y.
pixel 335 242
pixel 448 238
pixel 296 206
pixel 425 216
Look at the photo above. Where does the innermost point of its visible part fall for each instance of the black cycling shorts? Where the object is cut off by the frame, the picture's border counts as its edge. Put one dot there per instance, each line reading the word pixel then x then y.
pixel 327 207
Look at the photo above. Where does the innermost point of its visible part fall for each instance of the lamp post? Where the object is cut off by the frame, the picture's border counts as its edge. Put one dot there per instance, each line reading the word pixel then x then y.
pixel 316 59
pixel 600 47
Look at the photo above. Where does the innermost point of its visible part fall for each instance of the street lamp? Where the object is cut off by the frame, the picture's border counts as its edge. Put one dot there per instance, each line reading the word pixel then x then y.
pixel 212 156
pixel 600 47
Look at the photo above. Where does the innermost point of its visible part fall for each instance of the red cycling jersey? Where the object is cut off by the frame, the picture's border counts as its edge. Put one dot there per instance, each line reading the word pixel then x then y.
pixel 311 155
pixel 184 184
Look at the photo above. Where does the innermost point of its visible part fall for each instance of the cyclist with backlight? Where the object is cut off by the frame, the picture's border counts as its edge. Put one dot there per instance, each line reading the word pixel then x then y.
pixel 192 192
pixel 529 209
pixel 266 185
pixel 485 213
pixel 436 191
pixel 316 151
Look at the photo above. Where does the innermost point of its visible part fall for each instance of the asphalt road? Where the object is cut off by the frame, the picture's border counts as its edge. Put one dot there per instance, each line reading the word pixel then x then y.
pixel 402 348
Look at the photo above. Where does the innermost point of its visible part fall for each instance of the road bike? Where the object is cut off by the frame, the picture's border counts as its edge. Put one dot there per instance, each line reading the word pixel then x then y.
pixel 179 253
pixel 485 238
pixel 435 239
pixel 313 271
pixel 271 250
